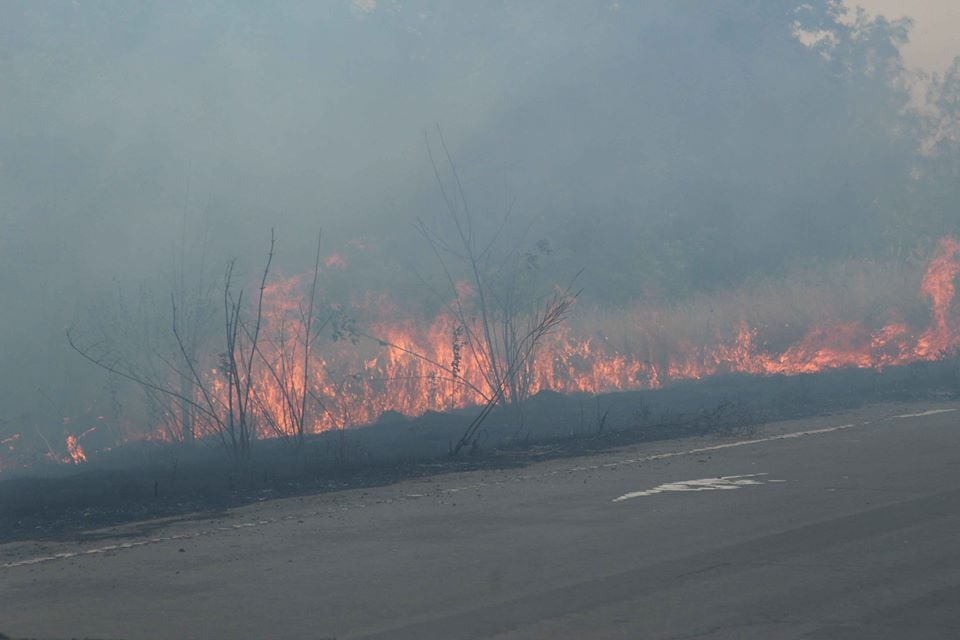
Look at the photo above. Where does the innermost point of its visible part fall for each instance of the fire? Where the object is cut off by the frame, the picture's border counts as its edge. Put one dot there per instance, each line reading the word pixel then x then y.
pixel 409 364
pixel 410 369
pixel 938 285
pixel 75 452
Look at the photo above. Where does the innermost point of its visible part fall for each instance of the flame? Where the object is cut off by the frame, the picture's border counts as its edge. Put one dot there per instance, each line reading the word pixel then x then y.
pixel 356 384
pixel 419 364
pixel 938 285
pixel 75 452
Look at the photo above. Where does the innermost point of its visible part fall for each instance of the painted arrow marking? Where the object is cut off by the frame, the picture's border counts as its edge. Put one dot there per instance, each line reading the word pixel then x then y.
pixel 722 483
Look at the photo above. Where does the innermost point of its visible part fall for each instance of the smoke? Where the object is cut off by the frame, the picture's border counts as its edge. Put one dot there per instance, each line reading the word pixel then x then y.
pixel 673 150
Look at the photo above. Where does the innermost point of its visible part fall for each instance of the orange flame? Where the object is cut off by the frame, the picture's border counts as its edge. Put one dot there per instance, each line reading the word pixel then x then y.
pixel 351 384
pixel 348 384
pixel 75 452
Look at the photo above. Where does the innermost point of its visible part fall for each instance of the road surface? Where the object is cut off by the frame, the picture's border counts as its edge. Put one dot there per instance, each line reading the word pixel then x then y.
pixel 836 527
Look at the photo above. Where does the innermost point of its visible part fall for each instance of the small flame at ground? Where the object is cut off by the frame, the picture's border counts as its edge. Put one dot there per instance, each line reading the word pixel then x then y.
pixel 75 452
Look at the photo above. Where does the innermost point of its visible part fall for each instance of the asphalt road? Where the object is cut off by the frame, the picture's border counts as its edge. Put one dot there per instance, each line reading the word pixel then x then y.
pixel 840 527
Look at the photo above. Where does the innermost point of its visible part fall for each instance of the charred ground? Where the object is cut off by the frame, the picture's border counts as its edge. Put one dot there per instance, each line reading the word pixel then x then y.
pixel 142 481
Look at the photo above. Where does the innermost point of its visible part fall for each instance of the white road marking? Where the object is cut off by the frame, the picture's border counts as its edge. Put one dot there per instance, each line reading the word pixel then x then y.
pixel 142 543
pixel 723 483
pixel 931 412
pixel 657 456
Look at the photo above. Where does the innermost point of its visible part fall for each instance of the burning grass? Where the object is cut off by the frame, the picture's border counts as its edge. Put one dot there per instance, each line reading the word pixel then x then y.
pixel 861 315
pixel 735 331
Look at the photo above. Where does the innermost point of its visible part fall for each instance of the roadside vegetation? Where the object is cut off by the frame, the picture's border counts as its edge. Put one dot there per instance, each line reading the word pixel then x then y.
pixel 144 480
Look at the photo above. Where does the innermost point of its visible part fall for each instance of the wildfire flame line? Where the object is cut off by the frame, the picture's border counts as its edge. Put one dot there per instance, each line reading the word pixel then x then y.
pixel 358 387
pixel 352 384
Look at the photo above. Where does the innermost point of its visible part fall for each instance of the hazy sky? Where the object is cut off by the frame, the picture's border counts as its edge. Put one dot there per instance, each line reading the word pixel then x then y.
pixel 935 39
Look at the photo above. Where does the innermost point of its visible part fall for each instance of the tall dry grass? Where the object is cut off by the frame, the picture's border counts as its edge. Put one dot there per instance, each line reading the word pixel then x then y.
pixel 779 310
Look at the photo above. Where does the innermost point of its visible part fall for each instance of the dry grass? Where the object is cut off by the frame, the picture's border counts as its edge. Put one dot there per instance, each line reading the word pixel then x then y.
pixel 781 311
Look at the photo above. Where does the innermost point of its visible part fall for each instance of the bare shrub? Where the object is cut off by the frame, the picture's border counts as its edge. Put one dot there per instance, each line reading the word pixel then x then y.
pixel 225 398
pixel 502 315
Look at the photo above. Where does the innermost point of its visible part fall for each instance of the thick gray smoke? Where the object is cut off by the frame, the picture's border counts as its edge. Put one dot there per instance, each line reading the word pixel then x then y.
pixel 668 148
